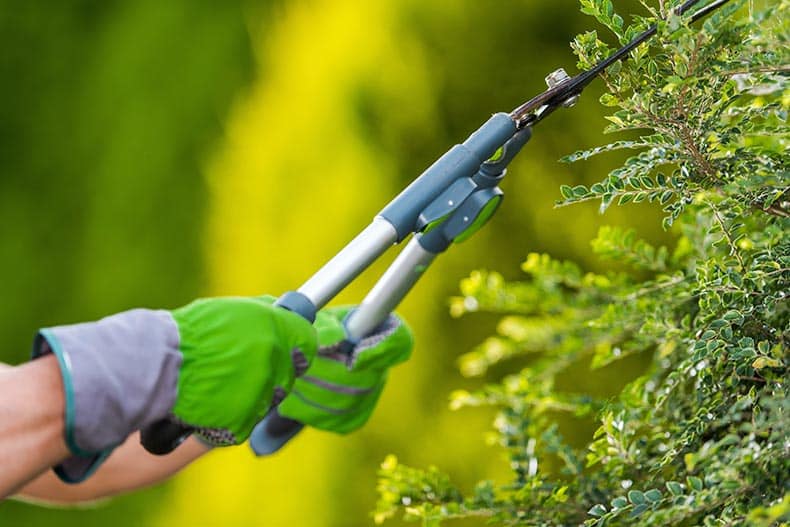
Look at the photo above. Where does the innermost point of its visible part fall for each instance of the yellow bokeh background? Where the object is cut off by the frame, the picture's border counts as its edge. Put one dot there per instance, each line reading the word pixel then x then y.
pixel 341 104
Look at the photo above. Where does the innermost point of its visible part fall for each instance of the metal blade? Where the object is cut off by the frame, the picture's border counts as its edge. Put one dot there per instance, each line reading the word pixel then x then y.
pixel 537 108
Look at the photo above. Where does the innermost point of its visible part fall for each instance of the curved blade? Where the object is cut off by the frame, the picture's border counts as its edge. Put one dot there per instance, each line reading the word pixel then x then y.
pixel 537 108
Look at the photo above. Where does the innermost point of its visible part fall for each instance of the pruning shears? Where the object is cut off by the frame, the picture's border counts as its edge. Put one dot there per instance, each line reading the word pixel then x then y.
pixel 446 204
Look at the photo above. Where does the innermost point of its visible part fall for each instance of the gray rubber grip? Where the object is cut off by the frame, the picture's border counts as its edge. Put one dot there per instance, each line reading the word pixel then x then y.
pixel 460 161
pixel 299 304
pixel 273 432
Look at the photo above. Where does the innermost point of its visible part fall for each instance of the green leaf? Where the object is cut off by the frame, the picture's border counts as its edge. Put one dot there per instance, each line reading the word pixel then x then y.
pixel 608 8
pixel 694 483
pixel 636 497
pixel 766 362
pixel 647 181
pixel 638 510
pixel 653 495
pixel 674 488
pixel 730 485
pixel 619 502
pixel 597 510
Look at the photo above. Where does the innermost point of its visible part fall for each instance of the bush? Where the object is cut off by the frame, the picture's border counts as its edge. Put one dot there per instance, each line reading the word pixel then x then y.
pixel 700 437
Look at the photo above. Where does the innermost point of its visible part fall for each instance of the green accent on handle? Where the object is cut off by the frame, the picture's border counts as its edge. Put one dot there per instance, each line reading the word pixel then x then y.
pixel 481 219
pixel 497 155
pixel 434 224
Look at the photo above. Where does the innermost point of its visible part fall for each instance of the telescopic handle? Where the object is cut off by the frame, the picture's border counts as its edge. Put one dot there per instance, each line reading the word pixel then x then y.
pixel 274 430
pixel 400 217
pixel 394 223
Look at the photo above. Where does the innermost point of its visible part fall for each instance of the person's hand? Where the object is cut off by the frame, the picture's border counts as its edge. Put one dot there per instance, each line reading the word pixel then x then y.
pixel 213 367
pixel 342 386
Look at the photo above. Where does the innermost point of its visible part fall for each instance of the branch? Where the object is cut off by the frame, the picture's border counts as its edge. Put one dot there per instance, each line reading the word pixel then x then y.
pixel 730 241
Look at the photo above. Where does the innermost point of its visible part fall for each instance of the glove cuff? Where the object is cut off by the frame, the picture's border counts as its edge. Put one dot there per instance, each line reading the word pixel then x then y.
pixel 119 375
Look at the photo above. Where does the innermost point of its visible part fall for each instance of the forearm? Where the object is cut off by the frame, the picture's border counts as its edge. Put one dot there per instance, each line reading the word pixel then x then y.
pixel 129 467
pixel 211 368
pixel 28 436
pixel 31 419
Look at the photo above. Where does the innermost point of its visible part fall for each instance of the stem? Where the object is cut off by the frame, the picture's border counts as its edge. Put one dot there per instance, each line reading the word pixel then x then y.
pixel 750 378
pixel 619 193
pixel 763 69
pixel 658 287
pixel 696 155
pixel 733 249
pixel 773 210
pixel 778 271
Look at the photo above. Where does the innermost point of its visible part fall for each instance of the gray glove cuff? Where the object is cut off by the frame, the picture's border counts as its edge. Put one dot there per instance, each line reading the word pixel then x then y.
pixel 119 375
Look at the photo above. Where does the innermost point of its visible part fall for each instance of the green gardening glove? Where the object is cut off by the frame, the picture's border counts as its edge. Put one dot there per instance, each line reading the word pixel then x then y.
pixel 241 355
pixel 213 368
pixel 340 389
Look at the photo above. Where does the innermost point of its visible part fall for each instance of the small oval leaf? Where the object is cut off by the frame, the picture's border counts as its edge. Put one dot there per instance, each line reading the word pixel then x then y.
pixel 653 495
pixel 636 497
pixel 674 488
pixel 694 482
pixel 619 502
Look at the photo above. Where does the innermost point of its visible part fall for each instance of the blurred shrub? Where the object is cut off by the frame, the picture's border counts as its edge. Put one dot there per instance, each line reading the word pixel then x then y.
pixel 108 111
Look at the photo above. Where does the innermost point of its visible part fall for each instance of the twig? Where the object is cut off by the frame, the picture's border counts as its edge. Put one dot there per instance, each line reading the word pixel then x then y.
pixel 764 69
pixel 774 210
pixel 730 241
pixel 658 287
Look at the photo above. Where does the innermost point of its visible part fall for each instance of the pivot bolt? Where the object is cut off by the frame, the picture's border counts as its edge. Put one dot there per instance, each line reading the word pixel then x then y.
pixel 557 78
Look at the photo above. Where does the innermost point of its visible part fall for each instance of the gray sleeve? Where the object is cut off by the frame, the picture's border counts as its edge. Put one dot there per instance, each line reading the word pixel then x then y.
pixel 119 375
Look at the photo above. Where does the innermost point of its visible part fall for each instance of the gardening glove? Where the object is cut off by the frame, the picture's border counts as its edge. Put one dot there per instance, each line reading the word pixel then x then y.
pixel 213 367
pixel 343 384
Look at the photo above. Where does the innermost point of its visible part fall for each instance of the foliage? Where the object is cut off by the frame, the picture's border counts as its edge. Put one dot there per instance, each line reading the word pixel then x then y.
pixel 700 437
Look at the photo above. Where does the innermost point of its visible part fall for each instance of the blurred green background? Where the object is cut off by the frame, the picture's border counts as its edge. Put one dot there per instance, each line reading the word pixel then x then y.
pixel 152 152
